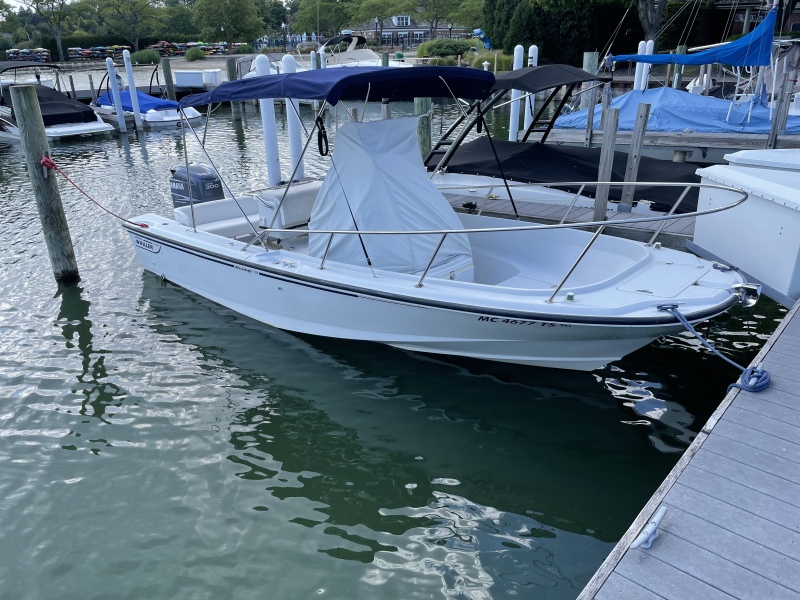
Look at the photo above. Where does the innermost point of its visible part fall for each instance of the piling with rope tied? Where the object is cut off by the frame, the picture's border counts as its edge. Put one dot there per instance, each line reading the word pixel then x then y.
pixel 45 188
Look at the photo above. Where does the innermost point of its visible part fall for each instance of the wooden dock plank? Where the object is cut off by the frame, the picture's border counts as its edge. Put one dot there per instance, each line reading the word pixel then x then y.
pixel 753 501
pixel 765 408
pixel 619 588
pixel 775 396
pixel 733 499
pixel 757 561
pixel 665 580
pixel 760 440
pixel 763 424
pixel 753 457
pixel 736 520
pixel 766 483
pixel 716 571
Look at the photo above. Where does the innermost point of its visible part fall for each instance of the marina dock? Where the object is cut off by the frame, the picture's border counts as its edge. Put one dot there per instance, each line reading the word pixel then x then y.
pixel 732 522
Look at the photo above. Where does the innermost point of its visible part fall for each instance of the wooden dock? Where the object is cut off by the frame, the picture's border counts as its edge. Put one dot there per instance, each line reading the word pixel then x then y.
pixel 674 234
pixel 732 524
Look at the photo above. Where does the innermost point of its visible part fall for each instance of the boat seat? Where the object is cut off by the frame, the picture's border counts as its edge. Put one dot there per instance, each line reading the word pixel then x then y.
pixel 222 217
pixel 294 211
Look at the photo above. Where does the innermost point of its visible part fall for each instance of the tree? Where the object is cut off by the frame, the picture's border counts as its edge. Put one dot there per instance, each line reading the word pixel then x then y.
pixel 128 18
pixel 333 15
pixel 650 13
pixel 273 14
pixel 435 12
pixel 53 14
pixel 374 9
pixel 231 20
pixel 469 14
pixel 178 23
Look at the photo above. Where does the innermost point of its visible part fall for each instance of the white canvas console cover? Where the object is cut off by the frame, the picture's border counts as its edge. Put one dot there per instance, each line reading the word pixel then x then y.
pixel 377 182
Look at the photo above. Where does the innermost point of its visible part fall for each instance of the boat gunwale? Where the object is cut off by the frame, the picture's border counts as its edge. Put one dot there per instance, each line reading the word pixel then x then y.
pixel 348 289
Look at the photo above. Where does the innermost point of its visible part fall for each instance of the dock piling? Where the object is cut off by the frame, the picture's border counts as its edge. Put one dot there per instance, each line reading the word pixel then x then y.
pixel 112 80
pixel 94 93
pixel 590 66
pixel 137 115
pixel 422 106
pixel 634 156
pixel 45 188
pixel 233 75
pixel 606 163
pixel 166 68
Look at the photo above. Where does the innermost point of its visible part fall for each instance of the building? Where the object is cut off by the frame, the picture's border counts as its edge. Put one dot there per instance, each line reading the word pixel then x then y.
pixel 405 31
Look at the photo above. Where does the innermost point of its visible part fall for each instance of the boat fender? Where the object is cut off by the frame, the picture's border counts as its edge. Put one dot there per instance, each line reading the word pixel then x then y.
pixel 322 137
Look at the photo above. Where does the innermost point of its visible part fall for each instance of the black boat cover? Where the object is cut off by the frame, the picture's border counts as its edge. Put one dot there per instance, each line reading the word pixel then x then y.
pixel 544 77
pixel 546 163
pixel 57 108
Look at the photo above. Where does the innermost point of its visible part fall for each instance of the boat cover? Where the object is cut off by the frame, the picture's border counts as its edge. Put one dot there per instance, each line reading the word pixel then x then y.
pixel 544 77
pixel 57 108
pixel 676 110
pixel 755 48
pixel 546 163
pixel 146 102
pixel 355 83
pixel 377 183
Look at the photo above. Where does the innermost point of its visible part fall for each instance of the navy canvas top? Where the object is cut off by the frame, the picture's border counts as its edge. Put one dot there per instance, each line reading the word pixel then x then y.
pixel 755 48
pixel 352 83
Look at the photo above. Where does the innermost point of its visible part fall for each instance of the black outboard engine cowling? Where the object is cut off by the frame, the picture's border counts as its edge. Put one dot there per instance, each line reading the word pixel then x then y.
pixel 206 185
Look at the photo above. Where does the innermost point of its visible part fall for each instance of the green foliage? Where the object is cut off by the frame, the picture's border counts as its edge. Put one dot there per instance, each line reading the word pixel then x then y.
pixel 443 62
pixel 505 62
pixel 193 54
pixel 130 19
pixel 272 13
pixel 469 14
pixel 231 20
pixel 444 47
pixel 562 29
pixel 334 15
pixel 244 49
pixel 146 57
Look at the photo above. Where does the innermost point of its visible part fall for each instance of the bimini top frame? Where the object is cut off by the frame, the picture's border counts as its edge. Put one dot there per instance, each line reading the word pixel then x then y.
pixel 530 80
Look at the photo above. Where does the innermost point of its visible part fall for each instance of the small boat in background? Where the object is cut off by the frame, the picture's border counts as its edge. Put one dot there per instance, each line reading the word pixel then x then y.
pixel 63 116
pixel 156 113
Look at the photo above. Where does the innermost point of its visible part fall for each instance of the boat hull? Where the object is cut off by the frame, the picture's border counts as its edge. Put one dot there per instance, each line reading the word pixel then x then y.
pixel 295 296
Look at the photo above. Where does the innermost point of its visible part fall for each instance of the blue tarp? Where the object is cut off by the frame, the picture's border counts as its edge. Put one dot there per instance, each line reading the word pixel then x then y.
pixel 145 102
pixel 674 110
pixel 353 83
pixel 755 48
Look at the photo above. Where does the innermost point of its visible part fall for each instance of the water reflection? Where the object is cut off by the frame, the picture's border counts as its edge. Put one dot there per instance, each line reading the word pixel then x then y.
pixel 73 318
pixel 383 450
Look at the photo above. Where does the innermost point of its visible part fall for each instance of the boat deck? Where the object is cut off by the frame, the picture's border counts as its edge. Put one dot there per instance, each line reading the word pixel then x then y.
pixel 674 234
pixel 732 526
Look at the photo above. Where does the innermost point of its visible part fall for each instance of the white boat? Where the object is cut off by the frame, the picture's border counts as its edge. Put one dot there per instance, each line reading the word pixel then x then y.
pixel 374 251
pixel 352 55
pixel 157 113
pixel 63 116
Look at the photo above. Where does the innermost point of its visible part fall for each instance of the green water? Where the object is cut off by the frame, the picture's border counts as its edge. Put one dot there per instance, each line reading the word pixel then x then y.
pixel 156 445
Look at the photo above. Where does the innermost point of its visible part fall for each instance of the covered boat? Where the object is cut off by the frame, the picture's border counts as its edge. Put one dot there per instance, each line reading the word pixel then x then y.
pixel 374 252
pixel 63 116
pixel 156 112
pixel 459 164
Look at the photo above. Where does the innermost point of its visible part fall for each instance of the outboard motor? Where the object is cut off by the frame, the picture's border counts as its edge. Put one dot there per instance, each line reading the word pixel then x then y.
pixel 206 185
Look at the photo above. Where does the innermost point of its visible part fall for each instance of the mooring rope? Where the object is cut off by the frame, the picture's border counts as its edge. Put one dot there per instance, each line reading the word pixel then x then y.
pixel 49 163
pixel 753 379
